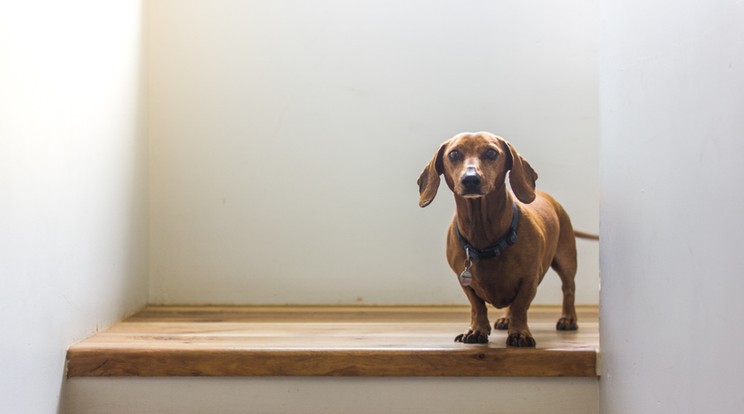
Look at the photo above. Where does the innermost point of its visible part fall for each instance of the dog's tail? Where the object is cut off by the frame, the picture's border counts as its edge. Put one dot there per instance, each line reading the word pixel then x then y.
pixel 583 235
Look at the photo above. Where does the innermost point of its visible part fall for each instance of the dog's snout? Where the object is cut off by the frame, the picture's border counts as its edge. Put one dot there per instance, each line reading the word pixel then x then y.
pixel 471 180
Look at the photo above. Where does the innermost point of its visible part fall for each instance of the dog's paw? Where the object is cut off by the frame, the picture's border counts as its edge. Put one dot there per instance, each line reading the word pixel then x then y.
pixel 520 339
pixel 502 324
pixel 472 337
pixel 566 324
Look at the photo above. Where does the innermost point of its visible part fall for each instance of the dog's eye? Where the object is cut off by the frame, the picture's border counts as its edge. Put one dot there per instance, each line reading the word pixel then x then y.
pixel 454 155
pixel 491 154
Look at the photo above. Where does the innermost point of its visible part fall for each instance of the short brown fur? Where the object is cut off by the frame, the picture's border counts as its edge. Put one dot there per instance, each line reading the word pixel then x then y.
pixel 545 237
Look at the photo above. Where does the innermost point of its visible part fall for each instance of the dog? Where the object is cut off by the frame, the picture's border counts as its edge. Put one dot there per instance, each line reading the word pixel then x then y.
pixel 501 243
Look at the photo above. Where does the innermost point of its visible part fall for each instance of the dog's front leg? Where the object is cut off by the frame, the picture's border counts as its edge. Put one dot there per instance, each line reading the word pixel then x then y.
pixel 519 332
pixel 480 328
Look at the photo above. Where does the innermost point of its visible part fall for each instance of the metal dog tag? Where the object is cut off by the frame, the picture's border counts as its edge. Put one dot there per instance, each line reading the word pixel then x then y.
pixel 466 278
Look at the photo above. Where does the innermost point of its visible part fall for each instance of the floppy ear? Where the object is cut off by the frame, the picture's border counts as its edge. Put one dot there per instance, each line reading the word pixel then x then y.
pixel 428 181
pixel 522 177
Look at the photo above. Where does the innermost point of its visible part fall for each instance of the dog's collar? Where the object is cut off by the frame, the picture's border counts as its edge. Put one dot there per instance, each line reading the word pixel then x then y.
pixel 495 251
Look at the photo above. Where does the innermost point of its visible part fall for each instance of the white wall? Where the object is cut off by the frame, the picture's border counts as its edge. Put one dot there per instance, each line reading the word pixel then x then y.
pixel 672 98
pixel 73 190
pixel 287 136
pixel 331 395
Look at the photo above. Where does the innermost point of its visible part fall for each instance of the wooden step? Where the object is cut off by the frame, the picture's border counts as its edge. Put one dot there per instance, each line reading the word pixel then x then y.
pixel 328 341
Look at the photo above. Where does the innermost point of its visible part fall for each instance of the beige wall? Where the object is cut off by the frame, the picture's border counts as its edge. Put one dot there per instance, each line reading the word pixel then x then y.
pixel 73 186
pixel 287 136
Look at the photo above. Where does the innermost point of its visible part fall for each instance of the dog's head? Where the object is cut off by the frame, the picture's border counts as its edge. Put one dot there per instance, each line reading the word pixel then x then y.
pixel 475 164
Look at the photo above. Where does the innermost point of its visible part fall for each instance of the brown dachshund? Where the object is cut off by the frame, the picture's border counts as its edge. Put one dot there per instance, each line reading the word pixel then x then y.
pixel 501 247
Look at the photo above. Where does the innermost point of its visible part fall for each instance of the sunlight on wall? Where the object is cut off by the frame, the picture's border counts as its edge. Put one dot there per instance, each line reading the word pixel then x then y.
pixel 73 185
pixel 286 139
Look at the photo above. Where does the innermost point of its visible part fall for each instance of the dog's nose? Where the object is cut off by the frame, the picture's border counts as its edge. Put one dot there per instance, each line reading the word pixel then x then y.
pixel 471 180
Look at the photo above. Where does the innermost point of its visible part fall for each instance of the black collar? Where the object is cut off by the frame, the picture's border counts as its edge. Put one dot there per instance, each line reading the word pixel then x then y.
pixel 495 251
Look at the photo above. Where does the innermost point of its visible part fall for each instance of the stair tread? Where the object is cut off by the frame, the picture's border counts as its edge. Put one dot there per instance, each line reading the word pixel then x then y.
pixel 328 341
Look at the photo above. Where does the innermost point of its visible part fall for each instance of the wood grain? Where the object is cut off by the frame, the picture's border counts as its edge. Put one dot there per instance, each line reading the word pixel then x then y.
pixel 328 341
